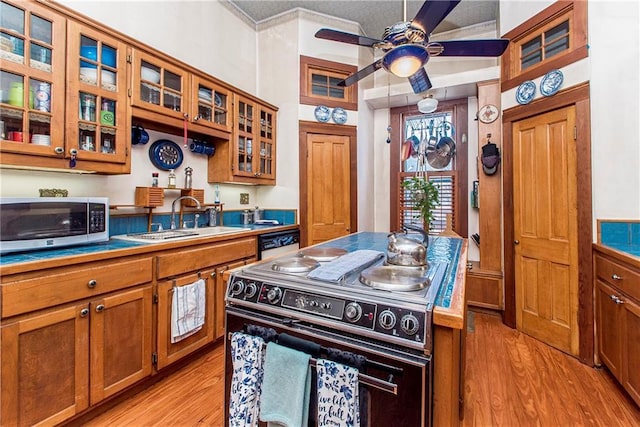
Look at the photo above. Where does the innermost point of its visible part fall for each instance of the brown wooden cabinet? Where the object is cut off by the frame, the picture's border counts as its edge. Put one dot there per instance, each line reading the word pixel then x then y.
pixel 72 337
pixel 220 291
pixel 183 267
pixel 98 125
pixel 64 86
pixel 618 319
pixel 250 157
pixel 56 363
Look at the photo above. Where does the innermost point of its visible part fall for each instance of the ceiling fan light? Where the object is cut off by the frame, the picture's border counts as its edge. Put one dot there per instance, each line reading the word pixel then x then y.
pixel 427 105
pixel 405 60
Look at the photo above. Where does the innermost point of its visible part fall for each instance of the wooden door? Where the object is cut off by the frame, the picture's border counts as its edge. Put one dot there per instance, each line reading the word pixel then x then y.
pixel 45 367
pixel 631 347
pixel 545 228
pixel 120 341
pixel 328 187
pixel 169 352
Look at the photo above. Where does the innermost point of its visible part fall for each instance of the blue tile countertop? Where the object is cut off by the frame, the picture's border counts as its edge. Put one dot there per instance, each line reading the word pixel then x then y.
pixel 441 249
pixel 623 236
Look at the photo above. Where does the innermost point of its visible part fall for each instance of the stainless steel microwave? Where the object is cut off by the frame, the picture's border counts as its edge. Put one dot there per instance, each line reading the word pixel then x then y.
pixel 49 222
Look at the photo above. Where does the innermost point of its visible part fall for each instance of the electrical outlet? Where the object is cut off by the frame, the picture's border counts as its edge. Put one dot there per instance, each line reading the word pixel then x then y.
pixel 244 198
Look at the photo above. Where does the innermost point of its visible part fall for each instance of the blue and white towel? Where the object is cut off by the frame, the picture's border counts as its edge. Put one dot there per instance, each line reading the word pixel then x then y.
pixel 286 387
pixel 338 404
pixel 337 270
pixel 187 310
pixel 247 357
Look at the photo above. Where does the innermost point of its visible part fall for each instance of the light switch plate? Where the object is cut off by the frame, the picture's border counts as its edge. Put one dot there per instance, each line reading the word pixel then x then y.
pixel 244 198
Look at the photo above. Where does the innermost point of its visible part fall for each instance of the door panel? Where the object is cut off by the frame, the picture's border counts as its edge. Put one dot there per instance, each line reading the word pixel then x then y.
pixel 545 228
pixel 328 187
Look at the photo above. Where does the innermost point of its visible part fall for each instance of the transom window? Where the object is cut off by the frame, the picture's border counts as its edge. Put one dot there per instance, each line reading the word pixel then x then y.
pixel 319 80
pixel 546 45
pixel 326 85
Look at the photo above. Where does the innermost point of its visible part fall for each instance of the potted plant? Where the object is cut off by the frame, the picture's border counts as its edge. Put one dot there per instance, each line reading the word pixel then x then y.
pixel 425 197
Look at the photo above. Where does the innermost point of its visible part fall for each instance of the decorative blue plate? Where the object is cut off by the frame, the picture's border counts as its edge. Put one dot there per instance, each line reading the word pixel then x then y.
pixel 551 82
pixel 526 91
pixel 339 116
pixel 165 154
pixel 323 114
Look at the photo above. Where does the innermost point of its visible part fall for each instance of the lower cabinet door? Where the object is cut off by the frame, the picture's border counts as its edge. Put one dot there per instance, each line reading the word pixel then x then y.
pixel 169 352
pixel 45 367
pixel 609 328
pixel 221 288
pixel 121 334
pixel 632 349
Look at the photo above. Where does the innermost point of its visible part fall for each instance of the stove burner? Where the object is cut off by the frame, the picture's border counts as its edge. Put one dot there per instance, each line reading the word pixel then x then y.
pixel 394 278
pixel 297 264
pixel 323 254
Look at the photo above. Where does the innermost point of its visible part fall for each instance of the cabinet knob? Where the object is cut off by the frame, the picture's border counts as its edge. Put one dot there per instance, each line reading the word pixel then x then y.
pixel 99 308
pixel 84 312
pixel 196 118
pixel 615 299
pixel 614 276
pixel 516 242
pixel 92 283
pixel 213 274
pixel 58 150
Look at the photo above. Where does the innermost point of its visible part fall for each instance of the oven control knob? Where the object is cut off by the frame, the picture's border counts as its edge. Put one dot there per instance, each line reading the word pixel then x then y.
pixel 409 324
pixel 250 290
pixel 274 294
pixel 237 287
pixel 353 312
pixel 387 319
pixel 313 303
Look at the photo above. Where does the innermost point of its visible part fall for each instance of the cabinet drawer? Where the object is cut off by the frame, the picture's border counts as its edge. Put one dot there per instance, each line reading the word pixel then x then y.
pixel 73 283
pixel 618 275
pixel 181 262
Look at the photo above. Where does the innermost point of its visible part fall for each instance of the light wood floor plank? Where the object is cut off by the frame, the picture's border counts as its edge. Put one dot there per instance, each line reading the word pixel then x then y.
pixel 512 380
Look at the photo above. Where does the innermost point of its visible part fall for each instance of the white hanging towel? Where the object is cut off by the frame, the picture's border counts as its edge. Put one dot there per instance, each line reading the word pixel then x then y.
pixel 187 310
pixel 247 357
pixel 338 403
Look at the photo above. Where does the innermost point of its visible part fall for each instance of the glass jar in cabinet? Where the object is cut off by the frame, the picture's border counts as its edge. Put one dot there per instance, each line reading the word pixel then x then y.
pixel 98 124
pixel 159 87
pixel 32 83
pixel 210 104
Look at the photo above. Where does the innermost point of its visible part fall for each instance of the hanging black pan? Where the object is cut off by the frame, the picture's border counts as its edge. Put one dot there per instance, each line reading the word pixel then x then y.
pixel 445 148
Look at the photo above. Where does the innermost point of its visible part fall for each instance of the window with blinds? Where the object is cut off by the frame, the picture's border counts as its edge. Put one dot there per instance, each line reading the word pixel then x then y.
pixel 445 182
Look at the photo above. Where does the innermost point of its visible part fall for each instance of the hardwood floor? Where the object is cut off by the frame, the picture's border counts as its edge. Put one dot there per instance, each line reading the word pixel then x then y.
pixel 512 380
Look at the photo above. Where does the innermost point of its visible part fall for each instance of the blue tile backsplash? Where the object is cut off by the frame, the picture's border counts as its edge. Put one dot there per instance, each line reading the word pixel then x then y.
pixel 621 235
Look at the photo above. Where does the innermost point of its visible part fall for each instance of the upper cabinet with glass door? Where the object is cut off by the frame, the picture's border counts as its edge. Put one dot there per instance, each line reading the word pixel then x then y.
pixel 210 104
pixel 158 87
pixel 32 82
pixel 250 157
pixel 98 123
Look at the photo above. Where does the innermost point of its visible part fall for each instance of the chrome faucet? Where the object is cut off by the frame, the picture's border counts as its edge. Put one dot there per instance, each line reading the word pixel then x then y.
pixel 173 208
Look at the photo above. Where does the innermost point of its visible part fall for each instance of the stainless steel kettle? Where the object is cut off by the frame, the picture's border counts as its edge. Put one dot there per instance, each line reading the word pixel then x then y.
pixel 406 251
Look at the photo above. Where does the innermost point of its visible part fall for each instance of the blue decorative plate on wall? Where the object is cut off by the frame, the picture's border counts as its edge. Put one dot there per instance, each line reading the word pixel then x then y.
pixel 323 114
pixel 551 82
pixel 339 116
pixel 165 154
pixel 526 92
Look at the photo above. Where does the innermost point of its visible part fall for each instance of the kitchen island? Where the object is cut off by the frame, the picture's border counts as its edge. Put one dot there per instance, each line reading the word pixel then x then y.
pixel 378 321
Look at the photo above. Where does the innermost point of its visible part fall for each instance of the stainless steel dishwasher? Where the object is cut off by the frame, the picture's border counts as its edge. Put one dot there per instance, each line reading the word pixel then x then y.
pixel 278 242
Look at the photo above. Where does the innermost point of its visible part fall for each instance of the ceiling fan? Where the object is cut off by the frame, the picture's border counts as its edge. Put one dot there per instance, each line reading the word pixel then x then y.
pixel 407 47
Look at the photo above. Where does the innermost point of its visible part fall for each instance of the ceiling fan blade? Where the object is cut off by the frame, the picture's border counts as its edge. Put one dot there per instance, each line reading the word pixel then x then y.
pixel 361 74
pixel 432 13
pixel 489 47
pixel 339 36
pixel 420 81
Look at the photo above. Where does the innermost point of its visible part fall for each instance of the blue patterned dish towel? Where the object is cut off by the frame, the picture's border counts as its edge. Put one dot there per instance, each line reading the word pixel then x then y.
pixel 247 356
pixel 338 404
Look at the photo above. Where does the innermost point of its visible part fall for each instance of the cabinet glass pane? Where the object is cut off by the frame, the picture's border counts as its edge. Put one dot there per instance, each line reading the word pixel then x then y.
pixel 87 137
pixel 88 60
pixel 108 56
pixel 204 111
pixel 172 81
pixel 41 29
pixel 87 107
pixel 40 57
pixel 108 140
pixel 172 101
pixel 11 48
pixel 108 112
pixel 11 124
pixel 41 95
pixel 12 18
pixel 40 128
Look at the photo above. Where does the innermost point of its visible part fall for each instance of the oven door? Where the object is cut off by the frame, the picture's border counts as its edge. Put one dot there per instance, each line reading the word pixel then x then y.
pixel 393 400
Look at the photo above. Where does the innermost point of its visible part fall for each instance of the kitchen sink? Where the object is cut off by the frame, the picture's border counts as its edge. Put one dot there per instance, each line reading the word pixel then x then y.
pixel 179 234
